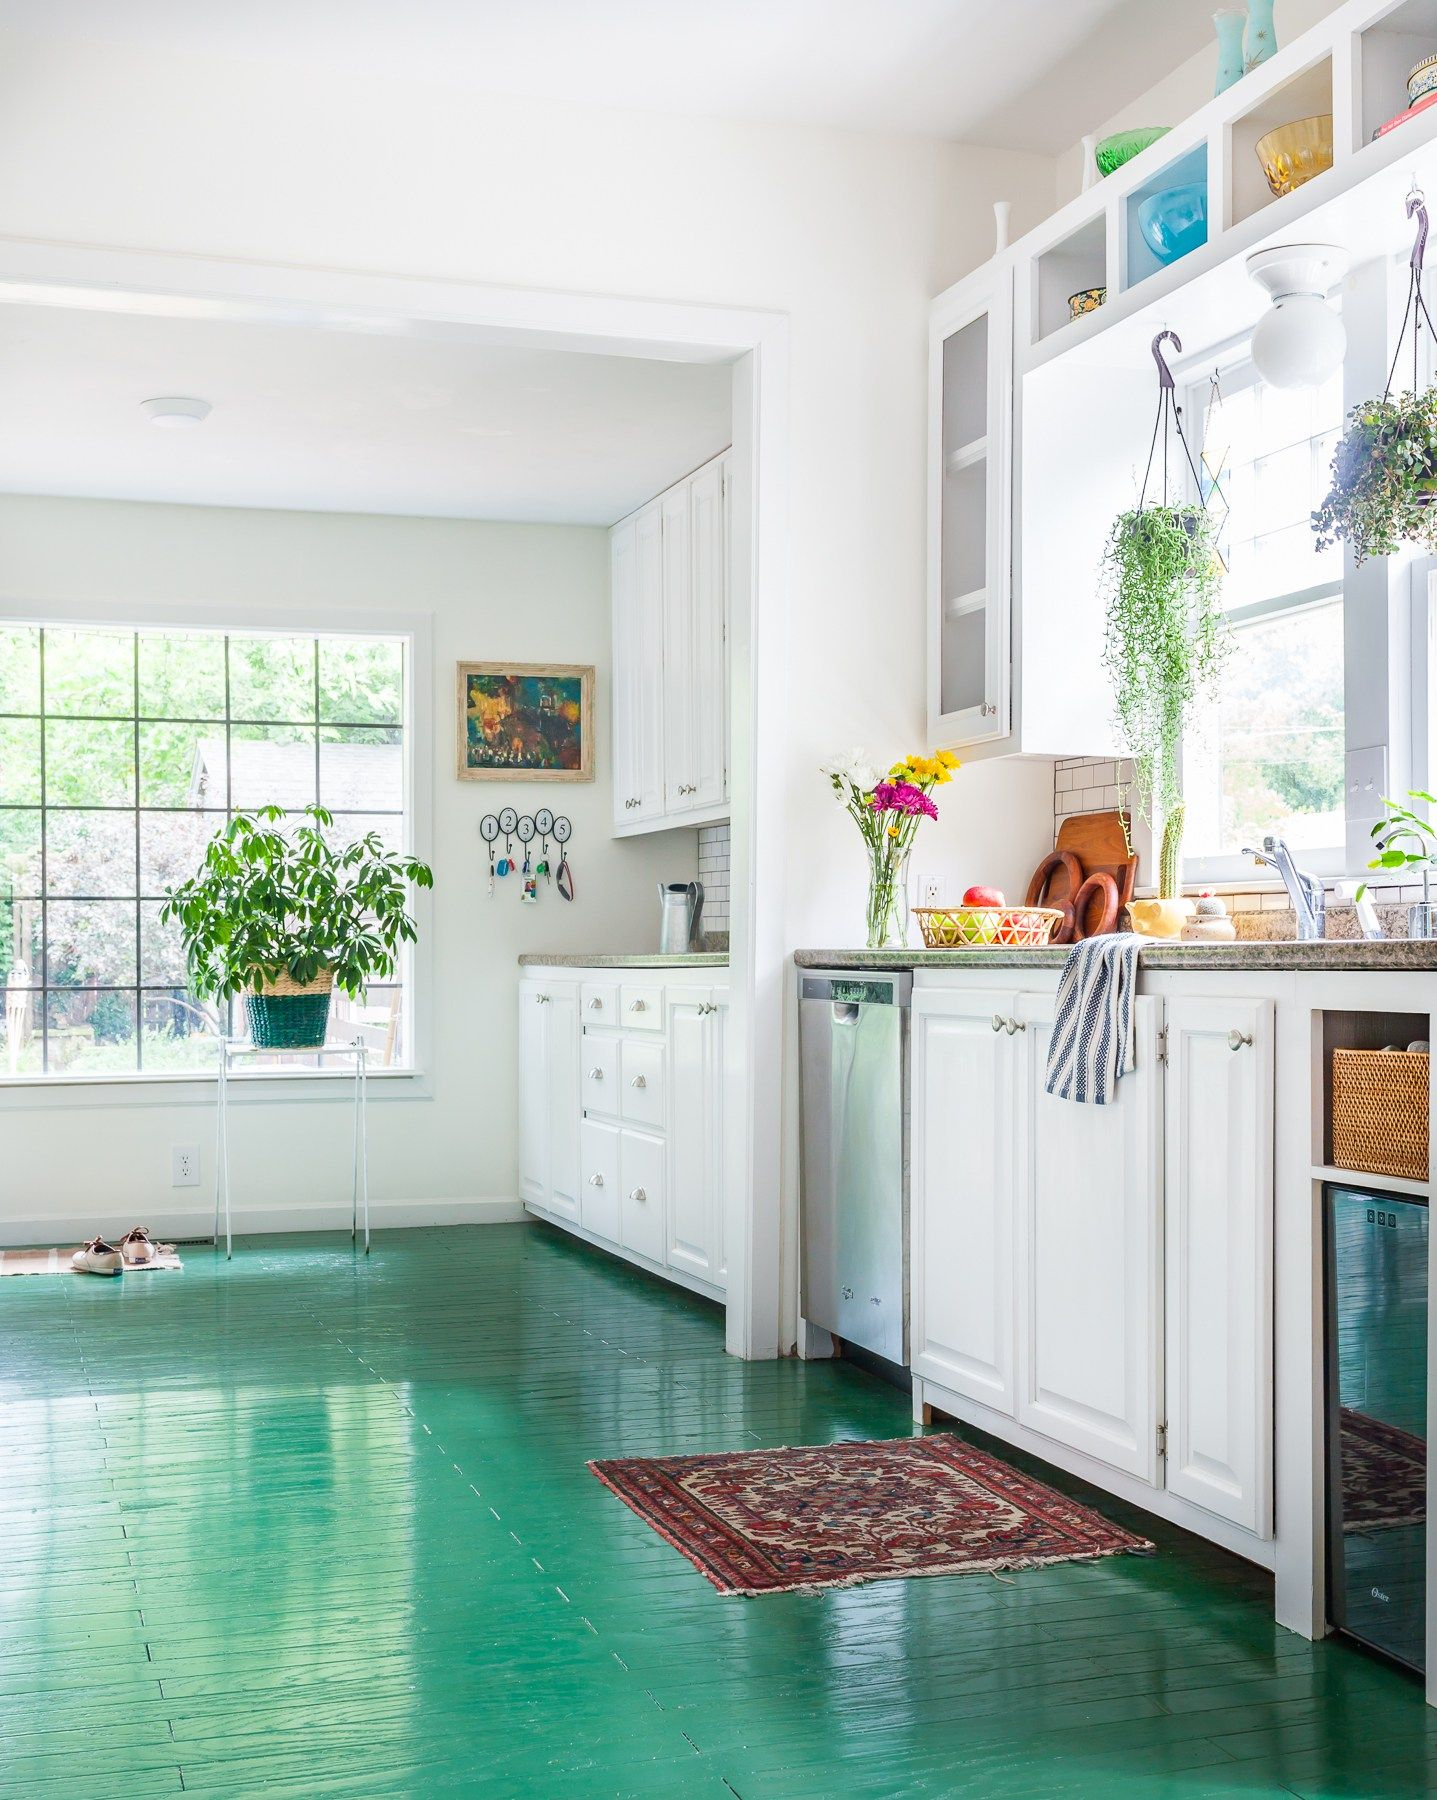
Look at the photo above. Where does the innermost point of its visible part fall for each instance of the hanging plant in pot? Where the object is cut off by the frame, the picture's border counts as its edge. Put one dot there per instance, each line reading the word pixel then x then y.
pixel 282 919
pixel 1164 644
pixel 1384 470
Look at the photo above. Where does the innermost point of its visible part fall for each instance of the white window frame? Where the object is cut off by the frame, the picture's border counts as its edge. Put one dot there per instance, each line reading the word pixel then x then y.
pixel 1230 868
pixel 197 1086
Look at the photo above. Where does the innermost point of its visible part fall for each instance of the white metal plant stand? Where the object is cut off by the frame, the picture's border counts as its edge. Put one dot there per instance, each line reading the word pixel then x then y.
pixel 233 1050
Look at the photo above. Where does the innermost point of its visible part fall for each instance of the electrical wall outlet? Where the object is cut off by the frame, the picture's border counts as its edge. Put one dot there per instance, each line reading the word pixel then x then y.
pixel 931 889
pixel 185 1165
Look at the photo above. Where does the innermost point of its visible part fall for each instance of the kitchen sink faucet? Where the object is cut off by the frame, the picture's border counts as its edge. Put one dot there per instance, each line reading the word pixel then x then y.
pixel 1305 891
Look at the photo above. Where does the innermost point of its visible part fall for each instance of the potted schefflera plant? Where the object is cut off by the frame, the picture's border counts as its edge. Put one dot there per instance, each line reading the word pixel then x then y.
pixel 1164 645
pixel 282 918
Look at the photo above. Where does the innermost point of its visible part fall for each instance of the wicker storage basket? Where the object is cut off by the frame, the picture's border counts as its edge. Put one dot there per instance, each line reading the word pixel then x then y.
pixel 1379 1111
pixel 289 1014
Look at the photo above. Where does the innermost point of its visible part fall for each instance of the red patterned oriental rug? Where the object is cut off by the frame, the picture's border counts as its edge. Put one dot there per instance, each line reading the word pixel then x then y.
pixel 833 1515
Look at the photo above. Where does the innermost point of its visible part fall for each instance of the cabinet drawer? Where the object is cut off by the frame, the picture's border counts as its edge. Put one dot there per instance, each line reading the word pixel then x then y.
pixel 599 1003
pixel 599 1185
pixel 600 1087
pixel 641 1085
pixel 641 1006
pixel 642 1204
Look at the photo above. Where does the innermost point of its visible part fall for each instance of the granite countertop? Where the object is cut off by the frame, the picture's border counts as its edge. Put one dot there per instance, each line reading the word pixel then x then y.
pixel 695 959
pixel 1325 955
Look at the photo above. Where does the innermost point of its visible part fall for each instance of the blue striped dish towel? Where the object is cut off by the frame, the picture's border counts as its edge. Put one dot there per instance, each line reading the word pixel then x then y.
pixel 1092 1041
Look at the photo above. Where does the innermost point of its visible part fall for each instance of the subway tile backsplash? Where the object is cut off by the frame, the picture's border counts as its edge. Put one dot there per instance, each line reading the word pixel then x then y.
pixel 714 874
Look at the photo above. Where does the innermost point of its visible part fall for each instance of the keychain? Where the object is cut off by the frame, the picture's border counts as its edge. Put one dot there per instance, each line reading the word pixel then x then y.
pixel 525 832
pixel 489 830
pixel 544 824
pixel 508 819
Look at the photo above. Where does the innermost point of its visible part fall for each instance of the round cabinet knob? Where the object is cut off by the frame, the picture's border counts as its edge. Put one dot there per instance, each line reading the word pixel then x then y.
pixel 998 1021
pixel 596 1181
pixel 639 1081
pixel 638 1194
pixel 596 1074
pixel 1012 1025
pixel 1236 1040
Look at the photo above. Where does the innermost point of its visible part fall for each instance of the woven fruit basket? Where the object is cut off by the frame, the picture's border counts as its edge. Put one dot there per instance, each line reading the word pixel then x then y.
pixel 986 927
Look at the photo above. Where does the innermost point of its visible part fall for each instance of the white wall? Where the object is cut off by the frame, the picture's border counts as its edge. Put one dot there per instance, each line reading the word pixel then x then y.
pixel 848 235
pixel 535 593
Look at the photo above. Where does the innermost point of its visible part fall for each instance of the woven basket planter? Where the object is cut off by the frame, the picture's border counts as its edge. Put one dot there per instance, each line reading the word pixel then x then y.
pixel 289 1014
pixel 1379 1111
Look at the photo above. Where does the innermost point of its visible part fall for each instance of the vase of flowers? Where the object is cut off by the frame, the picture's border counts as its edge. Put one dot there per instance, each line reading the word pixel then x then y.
pixel 887 810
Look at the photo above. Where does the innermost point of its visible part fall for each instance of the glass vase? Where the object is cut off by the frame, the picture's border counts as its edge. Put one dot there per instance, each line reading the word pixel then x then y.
pixel 887 900
pixel 1230 23
pixel 1261 39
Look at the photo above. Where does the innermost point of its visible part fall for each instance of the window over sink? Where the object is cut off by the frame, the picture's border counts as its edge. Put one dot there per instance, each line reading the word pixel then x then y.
pixel 1269 756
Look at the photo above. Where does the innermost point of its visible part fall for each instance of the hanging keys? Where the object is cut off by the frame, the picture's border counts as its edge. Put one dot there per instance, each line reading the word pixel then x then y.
pixel 489 831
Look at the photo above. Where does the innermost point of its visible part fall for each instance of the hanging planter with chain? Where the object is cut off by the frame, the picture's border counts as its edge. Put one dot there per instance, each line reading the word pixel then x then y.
pixel 1384 471
pixel 1165 635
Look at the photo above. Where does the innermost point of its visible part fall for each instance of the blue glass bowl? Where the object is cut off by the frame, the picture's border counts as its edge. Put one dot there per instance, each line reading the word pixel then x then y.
pixel 1175 221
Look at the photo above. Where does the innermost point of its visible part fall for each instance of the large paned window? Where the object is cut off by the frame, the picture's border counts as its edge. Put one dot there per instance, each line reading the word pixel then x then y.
pixel 1269 757
pixel 121 752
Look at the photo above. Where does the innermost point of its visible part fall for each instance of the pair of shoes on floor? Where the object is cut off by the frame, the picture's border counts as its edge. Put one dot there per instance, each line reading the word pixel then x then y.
pixel 101 1258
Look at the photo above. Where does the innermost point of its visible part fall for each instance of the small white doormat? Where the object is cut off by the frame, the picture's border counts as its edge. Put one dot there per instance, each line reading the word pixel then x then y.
pixel 57 1262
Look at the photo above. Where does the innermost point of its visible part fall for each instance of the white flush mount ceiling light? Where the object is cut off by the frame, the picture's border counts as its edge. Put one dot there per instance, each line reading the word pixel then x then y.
pixel 176 412
pixel 1301 341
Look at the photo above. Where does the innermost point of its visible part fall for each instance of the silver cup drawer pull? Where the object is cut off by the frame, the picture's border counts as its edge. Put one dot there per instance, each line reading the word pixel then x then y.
pixel 596 1074
pixel 596 1181
pixel 638 1006
pixel 638 1194
pixel 639 1081
pixel 596 1004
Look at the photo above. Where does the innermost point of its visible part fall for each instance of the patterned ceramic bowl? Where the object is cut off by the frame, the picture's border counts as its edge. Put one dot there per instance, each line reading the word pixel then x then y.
pixel 1088 300
pixel 1422 80
pixel 1295 153
pixel 986 927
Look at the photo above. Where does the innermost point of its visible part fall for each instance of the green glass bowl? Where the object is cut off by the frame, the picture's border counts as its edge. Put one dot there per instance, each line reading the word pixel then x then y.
pixel 1123 146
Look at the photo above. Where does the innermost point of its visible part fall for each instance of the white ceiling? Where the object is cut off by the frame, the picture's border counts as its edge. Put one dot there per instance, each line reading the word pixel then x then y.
pixel 1024 74
pixel 332 421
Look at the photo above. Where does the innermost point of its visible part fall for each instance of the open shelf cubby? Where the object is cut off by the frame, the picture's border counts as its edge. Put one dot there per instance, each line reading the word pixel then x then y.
pixel 1361 1031
pixel 1078 262
pixel 1387 52
pixel 1189 170
pixel 1306 96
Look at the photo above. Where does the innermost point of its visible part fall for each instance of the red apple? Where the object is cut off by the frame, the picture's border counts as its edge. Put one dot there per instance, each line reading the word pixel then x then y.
pixel 983 896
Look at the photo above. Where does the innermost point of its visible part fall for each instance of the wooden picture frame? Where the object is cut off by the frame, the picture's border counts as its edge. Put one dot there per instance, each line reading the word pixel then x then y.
pixel 551 706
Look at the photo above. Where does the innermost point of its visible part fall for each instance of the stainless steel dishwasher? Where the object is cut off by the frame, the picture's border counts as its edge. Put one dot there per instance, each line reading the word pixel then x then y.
pixel 853 1049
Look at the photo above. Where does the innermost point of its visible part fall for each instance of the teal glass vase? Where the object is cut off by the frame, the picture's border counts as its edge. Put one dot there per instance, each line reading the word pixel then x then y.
pixel 1261 38
pixel 1230 23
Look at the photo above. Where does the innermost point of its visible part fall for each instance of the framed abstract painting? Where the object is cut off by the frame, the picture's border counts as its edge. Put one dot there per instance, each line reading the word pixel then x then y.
pixel 525 722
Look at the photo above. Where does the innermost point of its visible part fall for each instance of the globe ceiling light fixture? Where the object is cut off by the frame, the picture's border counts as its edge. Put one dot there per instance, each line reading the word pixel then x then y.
pixel 1301 341
pixel 176 412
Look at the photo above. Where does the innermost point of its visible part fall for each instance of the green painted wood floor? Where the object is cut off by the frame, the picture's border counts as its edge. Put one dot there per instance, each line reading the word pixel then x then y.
pixel 307 1525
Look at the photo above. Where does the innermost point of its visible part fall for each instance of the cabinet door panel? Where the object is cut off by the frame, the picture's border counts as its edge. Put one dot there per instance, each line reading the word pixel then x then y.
pixel 695 1127
pixel 641 1182
pixel 533 1095
pixel 623 604
pixel 962 1179
pixel 599 1209
pixel 599 1084
pixel 641 1086
pixel 645 655
pixel 1089 1253
pixel 709 679
pixel 564 1103
pixel 1219 1257
pixel 678 670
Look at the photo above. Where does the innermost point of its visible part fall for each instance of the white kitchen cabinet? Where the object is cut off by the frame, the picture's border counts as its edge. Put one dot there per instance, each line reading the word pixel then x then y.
pixel 636 580
pixel 1088 1251
pixel 971 511
pixel 549 1089
pixel 963 1141
pixel 622 1116
pixel 1218 1190
pixel 669 568
pixel 695 1026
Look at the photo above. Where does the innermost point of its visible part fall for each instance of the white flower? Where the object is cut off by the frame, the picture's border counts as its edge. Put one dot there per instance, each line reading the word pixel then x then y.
pixel 853 767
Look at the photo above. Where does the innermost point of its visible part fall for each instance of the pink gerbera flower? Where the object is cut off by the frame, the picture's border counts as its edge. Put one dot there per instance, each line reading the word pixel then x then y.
pixel 902 797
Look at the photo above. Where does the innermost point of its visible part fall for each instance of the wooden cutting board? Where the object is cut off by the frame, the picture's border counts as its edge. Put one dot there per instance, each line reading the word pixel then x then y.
pixel 1098 842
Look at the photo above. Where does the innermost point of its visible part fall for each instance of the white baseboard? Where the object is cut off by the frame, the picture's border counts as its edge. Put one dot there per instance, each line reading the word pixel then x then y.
pixel 197 1221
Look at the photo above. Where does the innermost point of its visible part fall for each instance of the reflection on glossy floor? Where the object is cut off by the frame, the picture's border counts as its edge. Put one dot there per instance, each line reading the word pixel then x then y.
pixel 307 1525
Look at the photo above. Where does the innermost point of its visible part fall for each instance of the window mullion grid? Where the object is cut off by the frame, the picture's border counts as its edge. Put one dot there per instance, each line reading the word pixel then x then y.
pixel 227 1021
pixel 135 791
pixel 44 875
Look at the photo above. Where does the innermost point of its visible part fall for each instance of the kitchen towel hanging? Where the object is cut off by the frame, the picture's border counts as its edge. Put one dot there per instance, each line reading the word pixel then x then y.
pixel 1092 1043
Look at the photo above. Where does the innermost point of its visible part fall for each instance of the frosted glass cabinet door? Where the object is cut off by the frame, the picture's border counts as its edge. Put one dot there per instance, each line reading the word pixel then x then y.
pixel 970 512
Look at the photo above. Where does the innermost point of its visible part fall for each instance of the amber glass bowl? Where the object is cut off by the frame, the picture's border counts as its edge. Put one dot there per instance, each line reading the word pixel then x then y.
pixel 1295 153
